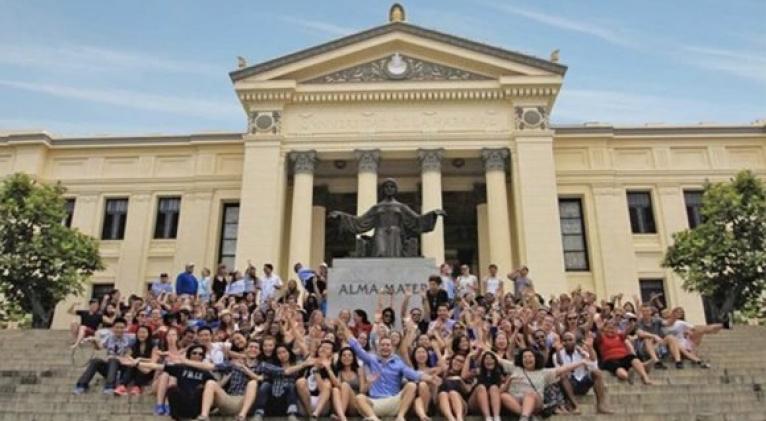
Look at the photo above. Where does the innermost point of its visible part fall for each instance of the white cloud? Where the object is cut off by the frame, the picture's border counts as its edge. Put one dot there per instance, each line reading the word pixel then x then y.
pixel 746 64
pixel 605 33
pixel 187 106
pixel 96 59
pixel 316 25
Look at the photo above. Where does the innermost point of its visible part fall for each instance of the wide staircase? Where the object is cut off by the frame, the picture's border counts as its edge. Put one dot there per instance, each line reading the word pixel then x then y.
pixel 37 377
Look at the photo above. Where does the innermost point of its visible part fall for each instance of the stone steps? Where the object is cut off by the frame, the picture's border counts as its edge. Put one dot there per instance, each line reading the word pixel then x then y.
pixel 39 387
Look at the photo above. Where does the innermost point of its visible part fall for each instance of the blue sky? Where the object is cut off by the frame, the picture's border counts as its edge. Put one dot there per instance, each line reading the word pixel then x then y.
pixel 138 67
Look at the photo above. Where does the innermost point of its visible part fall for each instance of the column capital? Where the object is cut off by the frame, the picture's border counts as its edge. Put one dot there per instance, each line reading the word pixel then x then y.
pixel 430 159
pixel 494 159
pixel 367 160
pixel 303 161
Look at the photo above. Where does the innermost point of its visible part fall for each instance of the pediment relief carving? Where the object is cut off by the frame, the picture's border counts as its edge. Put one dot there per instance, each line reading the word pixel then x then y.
pixel 397 67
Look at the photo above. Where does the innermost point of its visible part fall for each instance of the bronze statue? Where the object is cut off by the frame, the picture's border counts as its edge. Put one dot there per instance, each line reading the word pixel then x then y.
pixel 396 226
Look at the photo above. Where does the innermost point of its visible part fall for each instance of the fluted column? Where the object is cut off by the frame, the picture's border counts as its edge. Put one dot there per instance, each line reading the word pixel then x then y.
pixel 498 224
pixel 432 243
pixel 303 193
pixel 367 179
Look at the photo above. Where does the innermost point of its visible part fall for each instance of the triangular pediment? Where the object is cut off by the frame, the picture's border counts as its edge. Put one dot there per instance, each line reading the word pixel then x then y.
pixel 397 67
pixel 429 55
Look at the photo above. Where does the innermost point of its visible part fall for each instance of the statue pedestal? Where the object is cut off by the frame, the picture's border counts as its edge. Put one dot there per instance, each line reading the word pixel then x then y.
pixel 354 283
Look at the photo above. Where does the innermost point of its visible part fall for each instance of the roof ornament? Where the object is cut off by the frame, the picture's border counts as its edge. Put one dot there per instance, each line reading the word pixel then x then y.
pixel 241 62
pixel 396 13
pixel 555 56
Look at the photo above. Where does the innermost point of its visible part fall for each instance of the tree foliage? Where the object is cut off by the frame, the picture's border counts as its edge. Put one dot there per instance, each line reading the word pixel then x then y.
pixel 724 258
pixel 41 260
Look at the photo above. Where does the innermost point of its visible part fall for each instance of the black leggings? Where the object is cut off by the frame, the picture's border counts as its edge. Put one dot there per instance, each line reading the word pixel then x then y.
pixel 134 377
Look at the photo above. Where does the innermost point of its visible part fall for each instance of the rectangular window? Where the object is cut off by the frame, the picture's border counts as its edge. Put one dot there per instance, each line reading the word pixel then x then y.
pixel 228 248
pixel 573 235
pixel 99 290
pixel 168 211
pixel 641 214
pixel 652 287
pixel 69 208
pixel 115 215
pixel 693 199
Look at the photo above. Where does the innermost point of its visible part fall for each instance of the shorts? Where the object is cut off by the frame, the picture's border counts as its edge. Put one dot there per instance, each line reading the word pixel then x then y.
pixel 89 331
pixel 229 405
pixel 613 365
pixel 582 386
pixel 386 407
pixel 314 401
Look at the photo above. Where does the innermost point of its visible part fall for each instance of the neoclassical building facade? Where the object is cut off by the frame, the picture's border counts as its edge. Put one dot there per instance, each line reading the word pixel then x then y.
pixel 460 125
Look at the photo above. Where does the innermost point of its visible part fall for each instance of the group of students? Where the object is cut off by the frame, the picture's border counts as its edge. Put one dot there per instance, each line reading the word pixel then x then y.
pixel 460 347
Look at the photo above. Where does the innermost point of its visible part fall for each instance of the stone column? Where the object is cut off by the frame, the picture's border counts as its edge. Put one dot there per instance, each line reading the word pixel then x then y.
pixel 301 215
pixel 367 179
pixel 318 219
pixel 673 217
pixel 618 256
pixel 192 238
pixel 261 206
pixel 131 276
pixel 498 224
pixel 538 208
pixel 432 243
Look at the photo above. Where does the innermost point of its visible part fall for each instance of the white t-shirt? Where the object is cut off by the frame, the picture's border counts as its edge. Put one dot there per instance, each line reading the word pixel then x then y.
pixel 493 285
pixel 466 284
pixel 678 329
pixel 217 352
pixel 269 286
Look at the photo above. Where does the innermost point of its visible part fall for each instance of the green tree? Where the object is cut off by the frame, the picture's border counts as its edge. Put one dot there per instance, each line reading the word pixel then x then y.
pixel 724 258
pixel 41 260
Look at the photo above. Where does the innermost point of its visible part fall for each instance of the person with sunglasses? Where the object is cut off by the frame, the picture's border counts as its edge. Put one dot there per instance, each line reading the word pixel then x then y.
pixel 191 374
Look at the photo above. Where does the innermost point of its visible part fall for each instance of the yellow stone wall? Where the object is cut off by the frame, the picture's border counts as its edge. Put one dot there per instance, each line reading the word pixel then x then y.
pixel 598 166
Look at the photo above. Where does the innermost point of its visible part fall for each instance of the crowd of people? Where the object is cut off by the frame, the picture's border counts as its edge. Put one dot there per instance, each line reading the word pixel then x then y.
pixel 251 344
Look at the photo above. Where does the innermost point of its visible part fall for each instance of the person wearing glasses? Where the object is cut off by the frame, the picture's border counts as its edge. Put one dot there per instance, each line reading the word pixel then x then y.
pixel 191 373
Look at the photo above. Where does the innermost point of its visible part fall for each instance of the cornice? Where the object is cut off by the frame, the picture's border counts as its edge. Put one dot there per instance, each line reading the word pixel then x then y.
pixel 459 93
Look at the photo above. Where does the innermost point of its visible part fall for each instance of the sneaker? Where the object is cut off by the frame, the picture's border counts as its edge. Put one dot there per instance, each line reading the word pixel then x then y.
pixel 703 364
pixel 660 366
pixel 160 409
pixel 679 365
pixel 108 391
pixel 257 417
pixel 120 390
pixel 79 390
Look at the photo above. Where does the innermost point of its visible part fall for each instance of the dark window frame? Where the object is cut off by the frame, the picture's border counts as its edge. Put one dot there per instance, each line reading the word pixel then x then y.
pixel 69 205
pixel 97 291
pixel 642 220
pixel 221 234
pixel 645 289
pixel 693 210
pixel 166 221
pixel 583 234
pixel 108 230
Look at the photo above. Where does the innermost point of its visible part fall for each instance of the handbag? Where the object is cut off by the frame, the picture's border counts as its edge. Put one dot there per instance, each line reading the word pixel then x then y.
pixel 548 409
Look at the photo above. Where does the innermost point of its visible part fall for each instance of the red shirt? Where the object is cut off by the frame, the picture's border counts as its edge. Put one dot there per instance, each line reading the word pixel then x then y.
pixel 612 348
